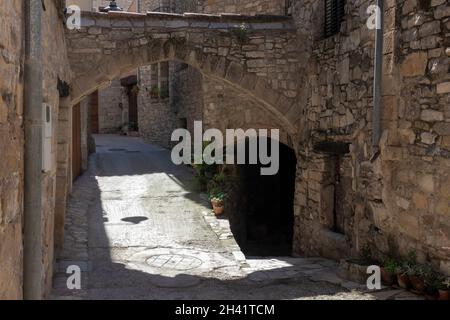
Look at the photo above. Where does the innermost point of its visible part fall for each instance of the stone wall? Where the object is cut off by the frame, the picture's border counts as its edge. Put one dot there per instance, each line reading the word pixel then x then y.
pixel 157 119
pixel 277 7
pixel 187 95
pixel 225 107
pixel 419 138
pixel 54 67
pixel 398 195
pixel 111 107
pixel 11 144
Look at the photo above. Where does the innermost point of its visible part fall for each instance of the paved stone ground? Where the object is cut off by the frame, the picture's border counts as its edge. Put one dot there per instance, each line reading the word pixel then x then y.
pixel 137 232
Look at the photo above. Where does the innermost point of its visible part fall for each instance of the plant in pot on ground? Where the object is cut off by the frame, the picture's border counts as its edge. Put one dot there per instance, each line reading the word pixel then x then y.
pixel 388 271
pixel 432 284
pixel 405 269
pixel 217 197
pixel 417 274
pixel 444 289
pixel 402 276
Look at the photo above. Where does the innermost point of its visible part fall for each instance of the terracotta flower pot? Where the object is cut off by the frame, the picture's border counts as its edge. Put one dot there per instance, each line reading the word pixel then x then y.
pixel 388 278
pixel 444 295
pixel 217 203
pixel 218 210
pixel 218 207
pixel 403 281
pixel 417 283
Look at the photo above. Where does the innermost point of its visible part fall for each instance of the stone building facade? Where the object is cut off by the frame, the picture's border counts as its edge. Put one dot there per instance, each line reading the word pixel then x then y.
pixel 54 66
pixel 349 194
pixel 11 166
pixel 396 193
pixel 112 108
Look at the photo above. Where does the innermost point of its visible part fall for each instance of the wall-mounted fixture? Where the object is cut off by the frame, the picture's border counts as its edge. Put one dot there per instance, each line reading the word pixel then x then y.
pixel 111 7
pixel 47 130
pixel 63 89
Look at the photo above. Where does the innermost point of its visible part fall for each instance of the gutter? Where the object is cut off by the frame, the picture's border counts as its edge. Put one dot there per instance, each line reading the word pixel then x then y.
pixel 378 75
pixel 32 259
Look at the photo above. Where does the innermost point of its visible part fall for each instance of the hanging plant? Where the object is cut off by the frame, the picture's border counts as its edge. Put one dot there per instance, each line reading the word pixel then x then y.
pixel 241 33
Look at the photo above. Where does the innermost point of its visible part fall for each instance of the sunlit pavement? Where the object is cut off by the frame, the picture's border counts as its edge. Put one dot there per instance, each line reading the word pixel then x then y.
pixel 137 232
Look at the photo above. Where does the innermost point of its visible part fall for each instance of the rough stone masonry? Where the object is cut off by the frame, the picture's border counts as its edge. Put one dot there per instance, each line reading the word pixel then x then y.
pixel 318 89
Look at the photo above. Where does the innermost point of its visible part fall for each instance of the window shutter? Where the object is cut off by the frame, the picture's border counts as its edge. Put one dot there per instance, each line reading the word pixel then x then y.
pixel 334 13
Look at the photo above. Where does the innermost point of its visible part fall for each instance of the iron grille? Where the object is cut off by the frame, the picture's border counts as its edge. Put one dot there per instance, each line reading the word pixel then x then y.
pixel 334 14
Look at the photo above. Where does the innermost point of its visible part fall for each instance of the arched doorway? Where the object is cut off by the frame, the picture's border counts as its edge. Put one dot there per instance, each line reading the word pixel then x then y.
pixel 263 217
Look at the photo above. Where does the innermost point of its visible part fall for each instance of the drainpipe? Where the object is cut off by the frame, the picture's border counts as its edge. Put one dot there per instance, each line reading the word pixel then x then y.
pixel 32 269
pixel 378 70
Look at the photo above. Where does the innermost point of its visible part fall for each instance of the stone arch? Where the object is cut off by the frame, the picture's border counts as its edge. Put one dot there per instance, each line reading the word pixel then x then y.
pixel 114 44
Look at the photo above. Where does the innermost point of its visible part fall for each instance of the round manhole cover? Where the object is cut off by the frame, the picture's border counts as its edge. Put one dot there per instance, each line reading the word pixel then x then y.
pixel 174 261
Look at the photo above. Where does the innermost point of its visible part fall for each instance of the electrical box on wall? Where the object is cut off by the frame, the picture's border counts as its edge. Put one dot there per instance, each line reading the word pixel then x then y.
pixel 47 130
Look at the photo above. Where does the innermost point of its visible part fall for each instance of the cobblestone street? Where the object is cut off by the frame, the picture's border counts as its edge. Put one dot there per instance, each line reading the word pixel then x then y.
pixel 137 232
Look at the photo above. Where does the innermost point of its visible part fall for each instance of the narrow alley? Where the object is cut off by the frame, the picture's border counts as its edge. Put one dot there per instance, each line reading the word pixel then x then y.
pixel 137 232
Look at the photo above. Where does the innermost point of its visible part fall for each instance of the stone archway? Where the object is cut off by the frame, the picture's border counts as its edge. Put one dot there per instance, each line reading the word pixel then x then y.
pixel 255 55
pixel 261 207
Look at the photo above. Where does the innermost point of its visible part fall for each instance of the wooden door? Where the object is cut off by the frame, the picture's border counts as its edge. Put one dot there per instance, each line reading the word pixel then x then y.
pixel 93 110
pixel 76 141
pixel 133 108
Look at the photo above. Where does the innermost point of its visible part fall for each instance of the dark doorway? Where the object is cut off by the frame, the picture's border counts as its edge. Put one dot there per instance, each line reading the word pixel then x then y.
pixel 337 198
pixel 265 207
pixel 133 108
pixel 93 110
pixel 130 83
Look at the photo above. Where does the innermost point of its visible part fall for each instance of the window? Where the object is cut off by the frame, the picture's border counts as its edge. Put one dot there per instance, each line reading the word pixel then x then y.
pixel 334 14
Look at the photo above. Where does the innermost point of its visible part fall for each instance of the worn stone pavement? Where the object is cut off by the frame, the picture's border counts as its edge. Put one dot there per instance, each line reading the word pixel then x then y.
pixel 137 232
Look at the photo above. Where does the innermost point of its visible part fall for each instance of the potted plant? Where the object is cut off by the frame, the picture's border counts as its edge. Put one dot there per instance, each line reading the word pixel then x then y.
pixel 432 283
pixel 417 277
pixel 154 92
pixel 444 289
pixel 217 198
pixel 388 271
pixel 402 276
pixel 407 269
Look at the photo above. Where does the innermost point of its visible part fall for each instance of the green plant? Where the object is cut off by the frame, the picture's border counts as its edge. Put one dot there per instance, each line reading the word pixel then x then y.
pixel 366 254
pixel 241 33
pixel 164 93
pixel 432 280
pixel 203 172
pixel 132 126
pixel 409 266
pixel 135 89
pixel 154 92
pixel 220 178
pixel 423 270
pixel 217 194
pixel 411 257
pixel 390 265
pixel 446 284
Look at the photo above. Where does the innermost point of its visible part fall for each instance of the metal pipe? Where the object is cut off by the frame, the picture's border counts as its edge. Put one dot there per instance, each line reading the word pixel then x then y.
pixel 32 268
pixel 378 75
